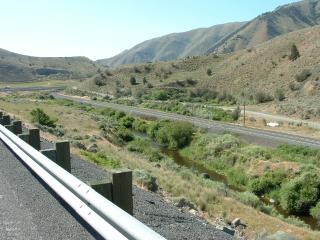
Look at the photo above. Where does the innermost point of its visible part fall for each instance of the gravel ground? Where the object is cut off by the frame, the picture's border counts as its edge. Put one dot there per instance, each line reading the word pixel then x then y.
pixel 151 209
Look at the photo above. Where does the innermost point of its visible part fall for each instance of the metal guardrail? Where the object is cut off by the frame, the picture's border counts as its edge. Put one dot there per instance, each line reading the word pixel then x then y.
pixel 106 218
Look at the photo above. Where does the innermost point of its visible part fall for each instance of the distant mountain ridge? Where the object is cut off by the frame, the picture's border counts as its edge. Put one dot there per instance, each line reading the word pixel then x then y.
pixel 174 46
pixel 223 38
pixel 16 67
pixel 282 20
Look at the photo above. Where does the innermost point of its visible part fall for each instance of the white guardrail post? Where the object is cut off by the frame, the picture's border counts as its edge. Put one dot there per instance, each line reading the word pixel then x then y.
pixel 110 221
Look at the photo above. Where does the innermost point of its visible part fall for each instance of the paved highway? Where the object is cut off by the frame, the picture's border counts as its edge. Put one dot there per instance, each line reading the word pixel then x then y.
pixel 29 210
pixel 32 89
pixel 258 136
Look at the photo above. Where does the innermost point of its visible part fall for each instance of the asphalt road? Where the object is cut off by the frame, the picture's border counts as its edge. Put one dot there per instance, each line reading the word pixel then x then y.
pixel 252 135
pixel 29 210
pixel 31 89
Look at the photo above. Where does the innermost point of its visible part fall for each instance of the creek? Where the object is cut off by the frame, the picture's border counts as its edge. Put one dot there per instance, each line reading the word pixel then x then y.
pixel 215 176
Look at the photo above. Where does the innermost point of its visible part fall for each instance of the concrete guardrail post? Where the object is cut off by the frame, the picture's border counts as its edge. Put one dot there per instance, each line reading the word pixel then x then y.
pixel 9 127
pixel 122 190
pixel 17 127
pixel 34 138
pixel 63 155
pixel 6 120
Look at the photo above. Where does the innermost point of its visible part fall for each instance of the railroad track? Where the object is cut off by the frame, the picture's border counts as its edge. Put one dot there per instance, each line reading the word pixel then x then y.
pixel 261 137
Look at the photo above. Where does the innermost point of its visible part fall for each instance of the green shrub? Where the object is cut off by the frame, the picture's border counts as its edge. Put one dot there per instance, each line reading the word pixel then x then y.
pixel 315 211
pixel 119 114
pixel 209 72
pixel 279 95
pixel 127 121
pixel 99 80
pixel 124 134
pixel 300 194
pixel 144 80
pixel 108 112
pixel 262 97
pixel 238 178
pixel 140 125
pixel 248 198
pixel 145 179
pixel 154 155
pixel 139 145
pixel 160 95
pixel 266 183
pixel 303 75
pixel 40 117
pixel 294 87
pixel 236 113
pixel 219 114
pixel 133 80
pixel 172 134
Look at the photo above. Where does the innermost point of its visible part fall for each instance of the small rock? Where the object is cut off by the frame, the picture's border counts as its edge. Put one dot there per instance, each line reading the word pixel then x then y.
pixel 93 148
pixel 226 230
pixel 236 222
pixel 193 211
pixel 272 201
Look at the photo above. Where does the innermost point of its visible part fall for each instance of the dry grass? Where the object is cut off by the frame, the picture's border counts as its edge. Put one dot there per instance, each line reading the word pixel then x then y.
pixel 172 183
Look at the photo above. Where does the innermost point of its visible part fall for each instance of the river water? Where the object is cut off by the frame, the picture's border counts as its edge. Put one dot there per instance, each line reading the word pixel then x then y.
pixel 176 156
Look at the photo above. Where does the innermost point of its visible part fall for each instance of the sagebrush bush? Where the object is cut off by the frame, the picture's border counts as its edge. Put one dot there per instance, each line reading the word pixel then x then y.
pixel 145 179
pixel 248 198
pixel 294 53
pixel 279 95
pixel 262 97
pixel 304 75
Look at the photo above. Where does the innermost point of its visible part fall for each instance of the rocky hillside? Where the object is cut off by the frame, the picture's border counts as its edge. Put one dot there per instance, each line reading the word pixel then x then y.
pixel 260 73
pixel 174 46
pixel 224 38
pixel 284 19
pixel 17 68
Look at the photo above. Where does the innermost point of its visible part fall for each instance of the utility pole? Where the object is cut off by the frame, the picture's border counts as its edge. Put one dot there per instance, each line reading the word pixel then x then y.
pixel 244 113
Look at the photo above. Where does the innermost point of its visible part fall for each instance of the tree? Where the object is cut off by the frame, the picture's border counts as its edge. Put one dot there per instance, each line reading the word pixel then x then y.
pixel 294 53
pixel 144 80
pixel 40 117
pixel 236 113
pixel 133 80
pixel 209 72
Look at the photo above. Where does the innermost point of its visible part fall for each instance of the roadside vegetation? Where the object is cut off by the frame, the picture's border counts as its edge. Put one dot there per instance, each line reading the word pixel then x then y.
pixel 114 139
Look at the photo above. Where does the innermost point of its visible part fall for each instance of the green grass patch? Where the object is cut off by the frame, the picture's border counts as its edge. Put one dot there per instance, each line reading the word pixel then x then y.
pixel 102 159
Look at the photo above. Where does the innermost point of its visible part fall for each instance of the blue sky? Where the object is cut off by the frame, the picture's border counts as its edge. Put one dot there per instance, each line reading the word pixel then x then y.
pixel 103 28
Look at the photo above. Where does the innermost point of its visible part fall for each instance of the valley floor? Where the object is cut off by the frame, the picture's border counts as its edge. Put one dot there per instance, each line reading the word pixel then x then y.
pixel 173 181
